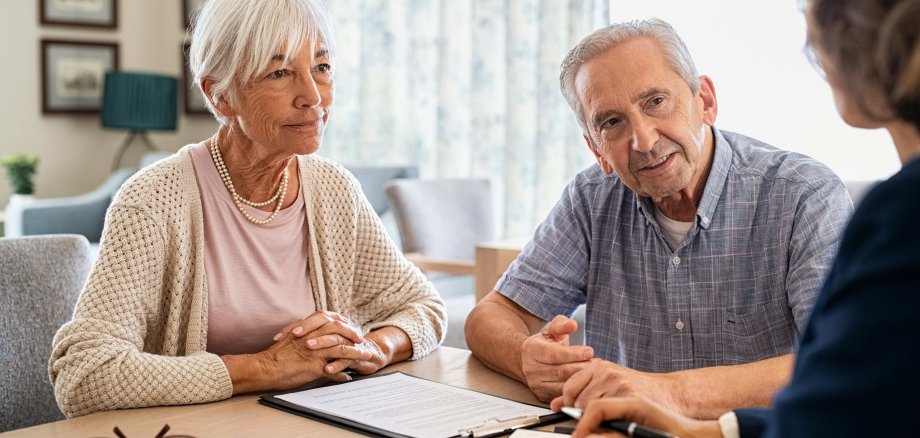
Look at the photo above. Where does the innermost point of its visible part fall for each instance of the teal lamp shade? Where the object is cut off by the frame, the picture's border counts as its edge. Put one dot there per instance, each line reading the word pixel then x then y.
pixel 139 101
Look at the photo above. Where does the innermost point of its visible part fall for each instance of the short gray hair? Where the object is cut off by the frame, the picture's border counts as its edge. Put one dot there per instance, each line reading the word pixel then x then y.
pixel 609 37
pixel 234 40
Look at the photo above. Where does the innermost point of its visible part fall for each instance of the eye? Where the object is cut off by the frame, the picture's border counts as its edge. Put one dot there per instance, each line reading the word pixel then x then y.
pixel 611 123
pixel 655 101
pixel 323 68
pixel 278 74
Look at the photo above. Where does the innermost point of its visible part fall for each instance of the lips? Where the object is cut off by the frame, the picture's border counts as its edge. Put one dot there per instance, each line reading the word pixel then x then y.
pixel 658 163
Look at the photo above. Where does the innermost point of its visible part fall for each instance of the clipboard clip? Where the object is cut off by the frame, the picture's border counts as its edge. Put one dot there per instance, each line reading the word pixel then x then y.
pixel 494 426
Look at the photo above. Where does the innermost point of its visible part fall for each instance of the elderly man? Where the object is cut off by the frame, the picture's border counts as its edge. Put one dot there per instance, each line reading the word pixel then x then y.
pixel 698 252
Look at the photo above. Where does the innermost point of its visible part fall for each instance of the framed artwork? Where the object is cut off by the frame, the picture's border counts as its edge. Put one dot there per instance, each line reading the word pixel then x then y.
pixel 92 13
pixel 194 100
pixel 73 73
pixel 189 8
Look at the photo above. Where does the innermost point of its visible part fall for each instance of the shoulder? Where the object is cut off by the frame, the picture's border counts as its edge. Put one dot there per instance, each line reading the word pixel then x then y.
pixel 326 178
pixel 892 201
pixel 593 182
pixel 168 177
pixel 754 158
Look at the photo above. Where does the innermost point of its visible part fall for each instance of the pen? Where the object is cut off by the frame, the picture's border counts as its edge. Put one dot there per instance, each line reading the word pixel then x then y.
pixel 628 428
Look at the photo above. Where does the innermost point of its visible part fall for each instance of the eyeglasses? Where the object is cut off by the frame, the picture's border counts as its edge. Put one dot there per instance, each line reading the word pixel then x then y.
pixel 160 434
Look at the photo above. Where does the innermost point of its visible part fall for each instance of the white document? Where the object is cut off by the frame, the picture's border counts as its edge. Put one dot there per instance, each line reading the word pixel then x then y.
pixel 410 405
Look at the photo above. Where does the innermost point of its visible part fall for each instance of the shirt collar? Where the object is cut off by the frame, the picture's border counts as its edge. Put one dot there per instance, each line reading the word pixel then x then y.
pixel 718 174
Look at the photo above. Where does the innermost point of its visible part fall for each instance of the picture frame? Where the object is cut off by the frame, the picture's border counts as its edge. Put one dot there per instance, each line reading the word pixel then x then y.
pixel 189 9
pixel 73 73
pixel 86 13
pixel 194 101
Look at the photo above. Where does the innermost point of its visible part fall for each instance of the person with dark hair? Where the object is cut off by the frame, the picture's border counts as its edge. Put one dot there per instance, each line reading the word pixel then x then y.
pixel 855 373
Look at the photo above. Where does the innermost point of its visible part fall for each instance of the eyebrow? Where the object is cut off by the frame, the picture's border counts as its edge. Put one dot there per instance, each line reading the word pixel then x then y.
pixel 319 54
pixel 603 116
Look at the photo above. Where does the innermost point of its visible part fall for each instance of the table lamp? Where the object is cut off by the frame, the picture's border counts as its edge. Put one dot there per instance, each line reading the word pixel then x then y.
pixel 138 102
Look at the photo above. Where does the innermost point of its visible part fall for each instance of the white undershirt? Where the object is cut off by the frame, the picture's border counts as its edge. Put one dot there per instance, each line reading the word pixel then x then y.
pixel 673 231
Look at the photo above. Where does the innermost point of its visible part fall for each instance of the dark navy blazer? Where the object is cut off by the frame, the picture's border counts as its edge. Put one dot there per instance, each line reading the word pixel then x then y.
pixel 857 372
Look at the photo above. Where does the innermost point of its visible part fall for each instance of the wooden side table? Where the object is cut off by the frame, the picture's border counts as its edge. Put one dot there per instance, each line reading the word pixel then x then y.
pixel 492 260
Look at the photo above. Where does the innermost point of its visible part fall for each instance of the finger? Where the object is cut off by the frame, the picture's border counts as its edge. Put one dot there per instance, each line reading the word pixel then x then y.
pixel 546 391
pixel 557 403
pixel 338 328
pixel 327 341
pixel 561 326
pixel 552 353
pixel 337 366
pixel 339 377
pixel 315 322
pixel 574 386
pixel 287 329
pixel 345 352
pixel 596 412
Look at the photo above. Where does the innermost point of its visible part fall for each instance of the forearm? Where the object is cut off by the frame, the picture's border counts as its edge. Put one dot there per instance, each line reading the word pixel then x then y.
pixel 710 392
pixel 393 343
pixel 495 337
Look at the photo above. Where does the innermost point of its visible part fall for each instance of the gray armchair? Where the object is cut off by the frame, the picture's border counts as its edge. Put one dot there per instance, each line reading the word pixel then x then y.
pixel 373 180
pixel 39 285
pixel 82 214
pixel 440 222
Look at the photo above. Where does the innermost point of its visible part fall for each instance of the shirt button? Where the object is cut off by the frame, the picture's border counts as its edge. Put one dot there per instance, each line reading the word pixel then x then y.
pixel 705 220
pixel 679 325
pixel 675 261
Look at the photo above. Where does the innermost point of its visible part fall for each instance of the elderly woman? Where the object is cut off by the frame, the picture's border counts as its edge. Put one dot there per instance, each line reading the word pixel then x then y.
pixel 855 373
pixel 212 258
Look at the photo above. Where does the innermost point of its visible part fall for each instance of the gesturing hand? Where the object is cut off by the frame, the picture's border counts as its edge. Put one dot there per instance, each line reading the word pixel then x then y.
pixel 547 359
pixel 601 378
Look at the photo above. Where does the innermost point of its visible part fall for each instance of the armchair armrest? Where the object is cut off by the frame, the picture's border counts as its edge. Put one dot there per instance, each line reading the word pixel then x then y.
pixel 459 267
pixel 82 214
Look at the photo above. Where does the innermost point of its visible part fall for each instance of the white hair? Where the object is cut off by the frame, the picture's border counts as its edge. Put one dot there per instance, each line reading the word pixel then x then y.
pixel 607 38
pixel 234 40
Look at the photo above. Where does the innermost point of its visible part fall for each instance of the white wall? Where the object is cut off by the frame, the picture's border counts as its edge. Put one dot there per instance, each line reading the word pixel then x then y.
pixel 765 86
pixel 75 153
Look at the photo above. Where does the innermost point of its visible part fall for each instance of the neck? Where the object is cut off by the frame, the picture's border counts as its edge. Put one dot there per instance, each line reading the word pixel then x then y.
pixel 682 205
pixel 906 140
pixel 256 174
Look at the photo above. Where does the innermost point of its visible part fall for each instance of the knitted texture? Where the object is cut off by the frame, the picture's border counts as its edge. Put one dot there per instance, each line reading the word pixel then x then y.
pixel 138 334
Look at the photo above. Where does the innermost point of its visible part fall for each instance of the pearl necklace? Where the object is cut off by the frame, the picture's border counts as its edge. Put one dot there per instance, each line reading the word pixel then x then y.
pixel 239 200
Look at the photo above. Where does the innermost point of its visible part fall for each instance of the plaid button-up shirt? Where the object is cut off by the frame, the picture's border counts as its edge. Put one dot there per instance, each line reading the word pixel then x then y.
pixel 737 289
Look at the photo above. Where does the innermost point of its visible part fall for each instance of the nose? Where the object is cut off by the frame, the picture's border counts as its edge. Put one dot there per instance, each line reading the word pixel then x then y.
pixel 644 135
pixel 308 93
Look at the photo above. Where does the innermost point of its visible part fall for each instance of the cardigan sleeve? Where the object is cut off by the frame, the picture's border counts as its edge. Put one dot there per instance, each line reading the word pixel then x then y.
pixel 102 358
pixel 393 291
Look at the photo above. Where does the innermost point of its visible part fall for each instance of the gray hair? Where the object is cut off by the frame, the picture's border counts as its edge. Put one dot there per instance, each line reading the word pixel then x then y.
pixel 234 40
pixel 607 38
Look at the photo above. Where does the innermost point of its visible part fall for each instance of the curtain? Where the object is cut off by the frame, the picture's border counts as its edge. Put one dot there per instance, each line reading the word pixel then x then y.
pixel 462 88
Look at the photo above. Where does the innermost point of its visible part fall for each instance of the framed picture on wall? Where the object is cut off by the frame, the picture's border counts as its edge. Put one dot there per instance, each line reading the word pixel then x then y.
pixel 92 13
pixel 73 73
pixel 189 9
pixel 194 100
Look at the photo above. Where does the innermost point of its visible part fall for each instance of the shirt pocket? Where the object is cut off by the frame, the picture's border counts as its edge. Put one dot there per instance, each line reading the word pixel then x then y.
pixel 766 331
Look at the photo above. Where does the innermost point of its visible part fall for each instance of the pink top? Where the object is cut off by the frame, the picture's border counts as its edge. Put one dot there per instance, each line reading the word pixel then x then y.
pixel 258 275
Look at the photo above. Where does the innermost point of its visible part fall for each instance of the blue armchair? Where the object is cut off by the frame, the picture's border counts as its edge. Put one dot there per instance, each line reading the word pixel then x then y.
pixel 82 214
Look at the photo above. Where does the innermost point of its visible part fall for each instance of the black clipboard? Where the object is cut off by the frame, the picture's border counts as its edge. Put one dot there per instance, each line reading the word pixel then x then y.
pixel 488 429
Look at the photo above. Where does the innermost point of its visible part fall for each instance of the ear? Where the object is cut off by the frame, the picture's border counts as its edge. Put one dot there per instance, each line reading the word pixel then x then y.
pixel 605 166
pixel 708 96
pixel 221 104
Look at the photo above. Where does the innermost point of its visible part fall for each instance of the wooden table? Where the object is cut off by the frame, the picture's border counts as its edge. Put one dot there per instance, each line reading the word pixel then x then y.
pixel 243 416
pixel 492 260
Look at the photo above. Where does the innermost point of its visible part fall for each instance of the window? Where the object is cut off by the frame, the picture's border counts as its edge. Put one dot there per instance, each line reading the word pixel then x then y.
pixel 765 85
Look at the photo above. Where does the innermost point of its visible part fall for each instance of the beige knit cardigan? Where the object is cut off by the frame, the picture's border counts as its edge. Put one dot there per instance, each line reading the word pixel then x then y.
pixel 139 330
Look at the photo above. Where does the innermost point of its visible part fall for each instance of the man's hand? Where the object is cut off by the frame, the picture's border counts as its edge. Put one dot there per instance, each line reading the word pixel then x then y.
pixel 644 412
pixel 547 359
pixel 601 378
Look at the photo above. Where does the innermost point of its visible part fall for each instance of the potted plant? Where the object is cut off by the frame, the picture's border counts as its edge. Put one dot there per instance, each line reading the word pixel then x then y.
pixel 20 168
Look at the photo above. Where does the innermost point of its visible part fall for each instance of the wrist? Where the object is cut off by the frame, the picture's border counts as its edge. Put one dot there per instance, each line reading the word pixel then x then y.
pixel 704 429
pixel 675 388
pixel 249 372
